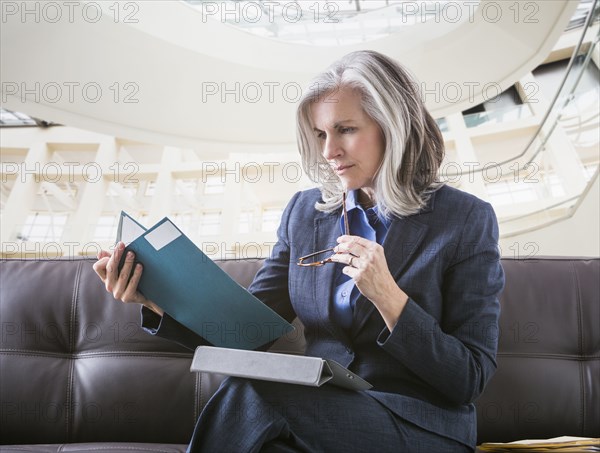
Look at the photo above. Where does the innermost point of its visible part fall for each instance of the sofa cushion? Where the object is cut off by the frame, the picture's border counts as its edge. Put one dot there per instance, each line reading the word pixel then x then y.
pixel 546 384
pixel 108 447
pixel 76 367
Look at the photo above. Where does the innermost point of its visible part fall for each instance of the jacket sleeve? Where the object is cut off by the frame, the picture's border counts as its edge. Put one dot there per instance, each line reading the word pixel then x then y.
pixel 166 327
pixel 457 355
pixel 270 285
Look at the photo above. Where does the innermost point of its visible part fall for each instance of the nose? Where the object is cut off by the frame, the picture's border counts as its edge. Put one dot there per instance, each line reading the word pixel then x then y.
pixel 331 148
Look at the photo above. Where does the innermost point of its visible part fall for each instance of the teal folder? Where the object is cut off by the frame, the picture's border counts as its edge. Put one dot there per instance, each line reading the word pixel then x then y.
pixel 193 290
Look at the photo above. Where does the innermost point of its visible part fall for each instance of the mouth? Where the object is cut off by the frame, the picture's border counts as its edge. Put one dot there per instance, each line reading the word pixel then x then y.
pixel 340 169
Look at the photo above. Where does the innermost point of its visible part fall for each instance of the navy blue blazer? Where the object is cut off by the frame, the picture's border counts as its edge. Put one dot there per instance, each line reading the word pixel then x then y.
pixel 438 358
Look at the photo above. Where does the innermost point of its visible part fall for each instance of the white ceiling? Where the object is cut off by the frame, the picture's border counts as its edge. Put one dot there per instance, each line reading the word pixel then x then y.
pixel 170 59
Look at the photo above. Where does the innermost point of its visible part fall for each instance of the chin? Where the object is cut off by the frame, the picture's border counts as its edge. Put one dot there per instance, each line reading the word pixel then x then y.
pixel 349 187
pixel 353 185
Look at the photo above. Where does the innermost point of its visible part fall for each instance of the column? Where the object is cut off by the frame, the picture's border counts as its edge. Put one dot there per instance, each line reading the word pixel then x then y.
pixel 163 190
pixel 231 204
pixel 472 180
pixel 82 223
pixel 22 196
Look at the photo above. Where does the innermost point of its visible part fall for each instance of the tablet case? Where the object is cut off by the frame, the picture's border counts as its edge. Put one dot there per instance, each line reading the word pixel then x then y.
pixel 271 366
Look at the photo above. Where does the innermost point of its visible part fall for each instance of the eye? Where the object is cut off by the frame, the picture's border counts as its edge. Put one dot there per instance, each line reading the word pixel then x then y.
pixel 321 135
pixel 347 130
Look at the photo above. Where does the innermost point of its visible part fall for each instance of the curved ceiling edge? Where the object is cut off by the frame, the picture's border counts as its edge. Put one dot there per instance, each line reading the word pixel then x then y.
pixel 172 81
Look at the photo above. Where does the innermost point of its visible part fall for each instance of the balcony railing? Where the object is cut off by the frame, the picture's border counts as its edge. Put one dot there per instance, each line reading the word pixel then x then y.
pixel 573 113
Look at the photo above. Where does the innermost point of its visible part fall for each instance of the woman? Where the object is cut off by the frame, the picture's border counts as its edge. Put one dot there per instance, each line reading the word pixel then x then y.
pixel 410 301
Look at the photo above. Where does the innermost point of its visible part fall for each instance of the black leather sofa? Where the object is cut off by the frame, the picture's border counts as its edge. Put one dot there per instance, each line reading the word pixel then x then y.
pixel 78 374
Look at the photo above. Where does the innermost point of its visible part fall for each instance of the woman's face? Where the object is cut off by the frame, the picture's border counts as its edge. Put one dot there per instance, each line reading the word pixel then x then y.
pixel 351 141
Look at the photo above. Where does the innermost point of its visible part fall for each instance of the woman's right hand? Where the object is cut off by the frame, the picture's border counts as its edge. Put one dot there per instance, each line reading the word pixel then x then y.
pixel 118 283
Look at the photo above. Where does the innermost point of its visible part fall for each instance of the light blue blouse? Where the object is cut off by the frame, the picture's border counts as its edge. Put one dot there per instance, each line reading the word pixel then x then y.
pixel 369 225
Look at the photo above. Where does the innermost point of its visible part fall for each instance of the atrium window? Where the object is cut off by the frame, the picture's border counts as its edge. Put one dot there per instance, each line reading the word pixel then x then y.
pixel 106 228
pixel 507 106
pixel 8 118
pixel 214 185
pixel 150 188
pixel 210 224
pixel 549 77
pixel 126 191
pixel 271 218
pixel 509 192
pixel 333 22
pixel 246 220
pixel 43 227
pixel 442 124
pixel 184 221
pixel 186 186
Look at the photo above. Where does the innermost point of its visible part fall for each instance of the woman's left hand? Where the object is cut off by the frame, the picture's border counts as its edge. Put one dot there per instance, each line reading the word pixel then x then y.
pixel 366 265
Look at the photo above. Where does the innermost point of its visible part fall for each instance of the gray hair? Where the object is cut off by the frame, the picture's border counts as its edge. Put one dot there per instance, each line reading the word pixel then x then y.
pixel 414 146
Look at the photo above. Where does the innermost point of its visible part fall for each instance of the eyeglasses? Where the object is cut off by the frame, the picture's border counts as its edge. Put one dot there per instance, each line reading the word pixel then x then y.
pixel 302 260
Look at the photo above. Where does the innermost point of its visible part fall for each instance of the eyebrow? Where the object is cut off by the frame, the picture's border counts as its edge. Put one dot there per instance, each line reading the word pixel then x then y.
pixel 335 125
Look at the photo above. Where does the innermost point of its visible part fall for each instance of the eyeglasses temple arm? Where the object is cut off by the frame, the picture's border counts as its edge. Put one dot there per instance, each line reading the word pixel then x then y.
pixel 345 213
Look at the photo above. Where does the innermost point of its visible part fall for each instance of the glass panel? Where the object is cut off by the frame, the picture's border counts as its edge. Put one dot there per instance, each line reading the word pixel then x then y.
pixel 508 192
pixel 442 124
pixel 497 116
pixel 570 126
pixel 9 118
pixel 43 228
pixel 331 23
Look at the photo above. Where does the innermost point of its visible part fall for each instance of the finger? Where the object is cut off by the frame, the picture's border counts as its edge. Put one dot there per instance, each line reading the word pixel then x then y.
pixel 344 258
pixel 351 272
pixel 124 274
pixel 103 254
pixel 100 267
pixel 348 247
pixel 112 267
pixel 131 293
pixel 359 241
pixel 113 264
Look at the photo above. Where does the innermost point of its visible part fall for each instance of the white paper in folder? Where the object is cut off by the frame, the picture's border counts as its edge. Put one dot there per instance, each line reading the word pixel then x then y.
pixel 271 366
